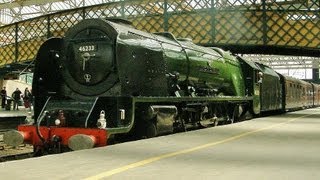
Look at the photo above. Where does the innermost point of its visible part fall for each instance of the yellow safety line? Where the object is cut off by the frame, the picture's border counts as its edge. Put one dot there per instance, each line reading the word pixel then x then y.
pixel 157 158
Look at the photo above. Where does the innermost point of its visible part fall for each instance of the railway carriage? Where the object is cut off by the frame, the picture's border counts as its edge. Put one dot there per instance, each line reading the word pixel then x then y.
pixel 299 94
pixel 316 94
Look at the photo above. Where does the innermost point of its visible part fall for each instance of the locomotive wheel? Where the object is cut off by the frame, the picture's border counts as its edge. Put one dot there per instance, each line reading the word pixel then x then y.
pixel 151 130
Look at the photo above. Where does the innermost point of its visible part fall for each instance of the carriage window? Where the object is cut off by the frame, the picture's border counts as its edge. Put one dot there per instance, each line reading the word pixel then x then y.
pixel 259 77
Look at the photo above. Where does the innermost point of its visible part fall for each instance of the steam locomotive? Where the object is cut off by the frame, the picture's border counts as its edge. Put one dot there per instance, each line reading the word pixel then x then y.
pixel 106 81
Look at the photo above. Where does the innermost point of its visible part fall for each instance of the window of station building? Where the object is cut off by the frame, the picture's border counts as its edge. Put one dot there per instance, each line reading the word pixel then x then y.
pixel 26 78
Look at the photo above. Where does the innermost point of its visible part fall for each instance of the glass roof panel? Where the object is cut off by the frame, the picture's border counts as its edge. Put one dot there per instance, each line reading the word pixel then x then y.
pixel 16 10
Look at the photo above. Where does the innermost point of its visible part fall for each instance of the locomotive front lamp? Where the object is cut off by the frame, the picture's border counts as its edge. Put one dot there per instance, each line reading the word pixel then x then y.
pixel 57 122
pixel 102 122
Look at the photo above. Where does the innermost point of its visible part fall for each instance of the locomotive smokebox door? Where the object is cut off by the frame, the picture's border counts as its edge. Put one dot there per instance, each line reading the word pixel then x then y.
pixel 90 58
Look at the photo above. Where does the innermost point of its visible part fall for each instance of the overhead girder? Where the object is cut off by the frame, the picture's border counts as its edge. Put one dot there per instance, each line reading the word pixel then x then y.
pixel 22 3
pixel 285 62
pixel 35 8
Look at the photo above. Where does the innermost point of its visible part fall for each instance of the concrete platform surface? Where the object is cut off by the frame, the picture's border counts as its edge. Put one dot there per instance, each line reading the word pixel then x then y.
pixel 280 147
pixel 15 113
pixel 11 119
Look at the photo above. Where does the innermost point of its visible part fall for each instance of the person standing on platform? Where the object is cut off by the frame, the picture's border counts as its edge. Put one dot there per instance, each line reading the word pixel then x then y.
pixel 27 98
pixel 16 97
pixel 3 97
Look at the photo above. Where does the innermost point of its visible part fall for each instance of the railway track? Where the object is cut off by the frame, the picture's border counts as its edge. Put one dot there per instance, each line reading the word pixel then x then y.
pixel 9 153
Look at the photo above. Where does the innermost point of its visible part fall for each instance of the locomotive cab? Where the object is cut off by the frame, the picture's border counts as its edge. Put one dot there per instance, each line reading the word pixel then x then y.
pixel 253 81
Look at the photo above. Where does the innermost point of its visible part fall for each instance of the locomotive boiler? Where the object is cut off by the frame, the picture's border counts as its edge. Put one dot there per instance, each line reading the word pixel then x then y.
pixel 107 82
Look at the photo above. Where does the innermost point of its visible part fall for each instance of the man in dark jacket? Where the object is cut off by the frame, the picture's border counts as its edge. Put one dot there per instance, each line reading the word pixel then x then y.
pixel 3 97
pixel 16 97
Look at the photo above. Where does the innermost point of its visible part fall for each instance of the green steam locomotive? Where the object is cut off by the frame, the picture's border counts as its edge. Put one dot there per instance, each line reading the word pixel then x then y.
pixel 107 82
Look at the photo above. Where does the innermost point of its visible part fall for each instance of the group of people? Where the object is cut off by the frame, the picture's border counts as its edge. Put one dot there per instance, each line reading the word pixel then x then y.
pixel 16 97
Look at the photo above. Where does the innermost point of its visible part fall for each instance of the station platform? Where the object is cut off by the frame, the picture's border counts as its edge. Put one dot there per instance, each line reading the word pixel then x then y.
pixel 10 119
pixel 284 146
pixel 14 113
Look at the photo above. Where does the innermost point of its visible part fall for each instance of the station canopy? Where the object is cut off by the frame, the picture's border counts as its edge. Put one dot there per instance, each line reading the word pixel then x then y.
pixel 17 10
